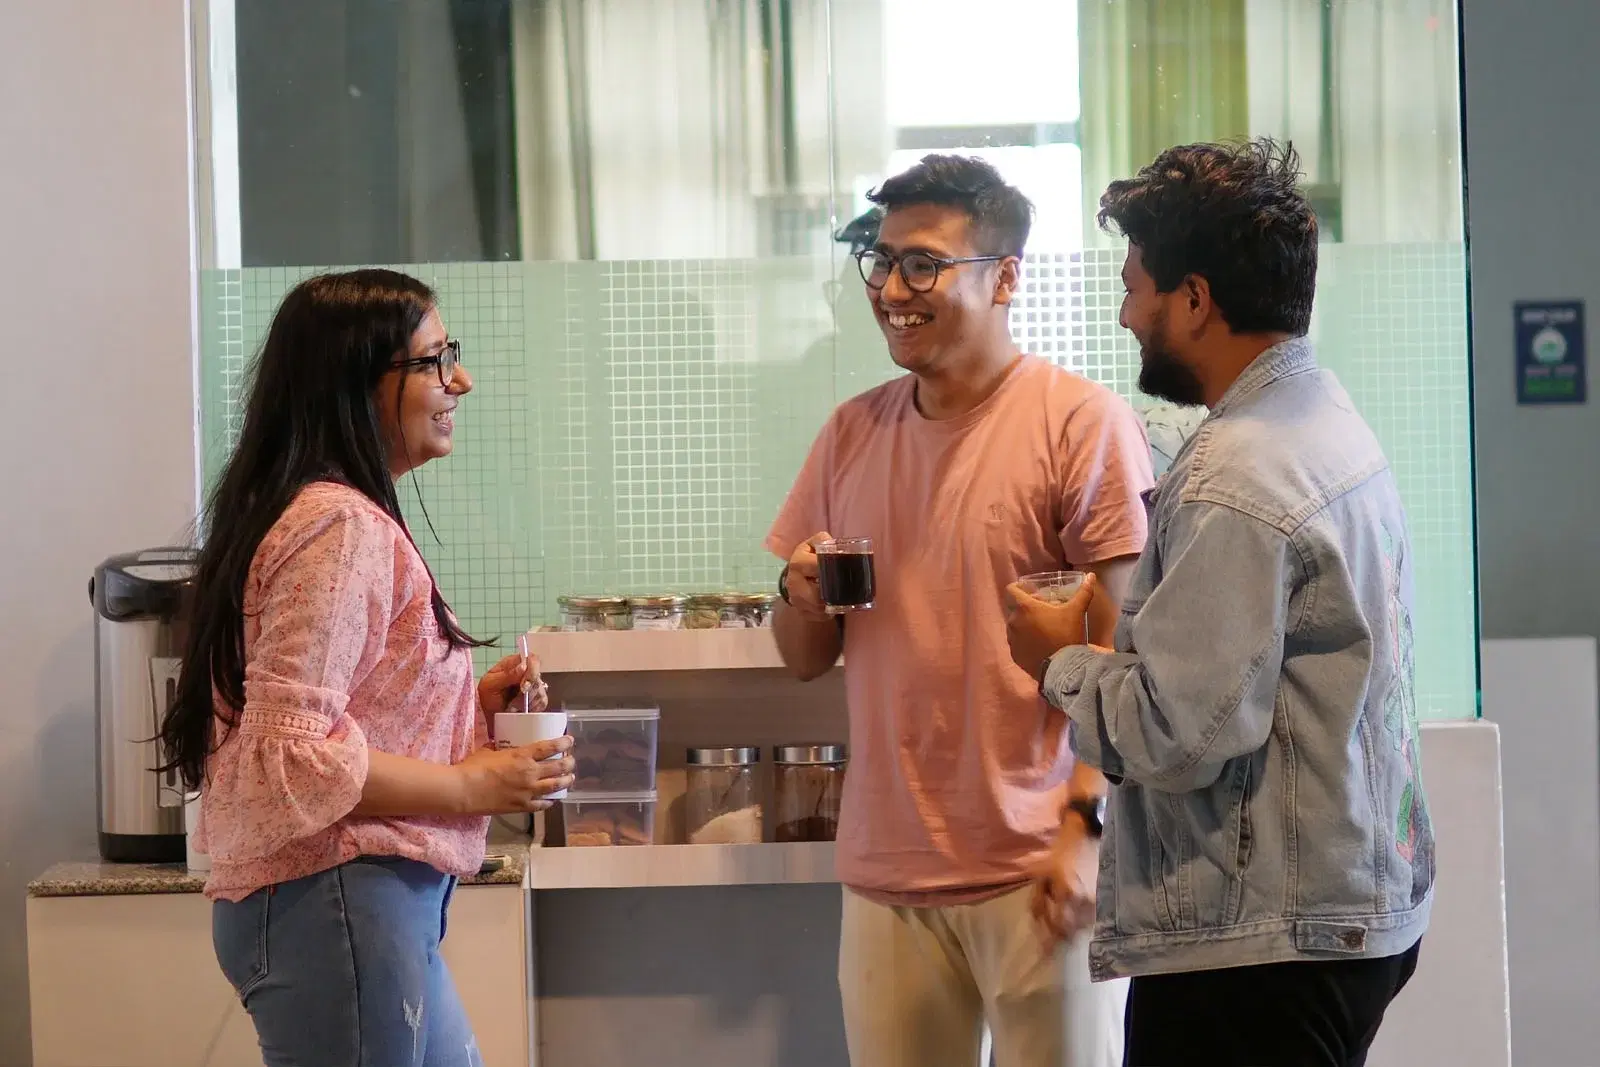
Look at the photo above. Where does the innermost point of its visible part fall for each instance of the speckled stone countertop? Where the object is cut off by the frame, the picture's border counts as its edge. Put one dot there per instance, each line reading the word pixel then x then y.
pixel 97 879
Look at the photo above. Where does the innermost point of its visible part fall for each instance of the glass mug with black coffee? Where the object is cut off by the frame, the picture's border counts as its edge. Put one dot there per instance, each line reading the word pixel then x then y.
pixel 845 578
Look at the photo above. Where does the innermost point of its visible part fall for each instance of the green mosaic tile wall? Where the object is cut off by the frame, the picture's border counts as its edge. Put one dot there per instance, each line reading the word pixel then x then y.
pixel 635 425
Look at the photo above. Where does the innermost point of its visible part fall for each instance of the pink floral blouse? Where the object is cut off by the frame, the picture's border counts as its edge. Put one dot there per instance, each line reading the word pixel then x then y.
pixel 342 654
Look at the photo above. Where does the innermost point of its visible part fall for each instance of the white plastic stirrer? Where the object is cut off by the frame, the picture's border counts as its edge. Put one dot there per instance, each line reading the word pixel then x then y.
pixel 533 681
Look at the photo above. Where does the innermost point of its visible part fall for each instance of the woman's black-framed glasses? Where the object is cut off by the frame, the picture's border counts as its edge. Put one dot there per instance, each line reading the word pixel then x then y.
pixel 447 359
pixel 920 270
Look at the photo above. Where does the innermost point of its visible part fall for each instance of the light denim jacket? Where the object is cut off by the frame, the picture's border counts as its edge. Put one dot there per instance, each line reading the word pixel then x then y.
pixel 1258 720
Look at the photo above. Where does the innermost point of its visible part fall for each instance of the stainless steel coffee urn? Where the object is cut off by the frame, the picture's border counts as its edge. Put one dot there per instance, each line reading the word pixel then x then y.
pixel 138 599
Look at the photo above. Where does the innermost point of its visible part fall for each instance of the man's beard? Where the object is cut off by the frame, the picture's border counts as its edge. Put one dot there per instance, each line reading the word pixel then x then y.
pixel 1162 376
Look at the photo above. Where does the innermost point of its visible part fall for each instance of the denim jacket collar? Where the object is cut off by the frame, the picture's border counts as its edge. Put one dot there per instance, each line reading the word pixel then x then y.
pixel 1281 360
pixel 1278 362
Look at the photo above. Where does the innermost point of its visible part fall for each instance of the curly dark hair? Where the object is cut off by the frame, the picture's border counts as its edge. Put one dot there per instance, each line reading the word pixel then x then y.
pixel 1000 214
pixel 1232 214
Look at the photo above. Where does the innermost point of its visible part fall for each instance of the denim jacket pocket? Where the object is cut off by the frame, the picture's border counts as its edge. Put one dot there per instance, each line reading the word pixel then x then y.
pixel 1200 846
pixel 1243 840
pixel 239 938
pixel 1163 869
pixel 1222 850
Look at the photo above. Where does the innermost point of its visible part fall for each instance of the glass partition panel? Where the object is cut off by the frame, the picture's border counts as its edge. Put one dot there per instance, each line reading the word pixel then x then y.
pixel 639 213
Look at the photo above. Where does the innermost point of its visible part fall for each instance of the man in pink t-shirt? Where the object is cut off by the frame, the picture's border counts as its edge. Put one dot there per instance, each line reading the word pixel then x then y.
pixel 968 843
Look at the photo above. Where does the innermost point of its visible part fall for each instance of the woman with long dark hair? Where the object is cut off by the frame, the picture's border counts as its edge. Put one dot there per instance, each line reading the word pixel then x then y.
pixel 327 699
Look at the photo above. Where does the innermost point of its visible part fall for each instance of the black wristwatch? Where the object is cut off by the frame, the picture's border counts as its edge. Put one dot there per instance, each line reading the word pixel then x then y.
pixel 783 585
pixel 1092 810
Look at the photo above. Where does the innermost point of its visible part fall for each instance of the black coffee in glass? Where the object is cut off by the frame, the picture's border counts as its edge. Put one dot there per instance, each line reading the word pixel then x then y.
pixel 845 575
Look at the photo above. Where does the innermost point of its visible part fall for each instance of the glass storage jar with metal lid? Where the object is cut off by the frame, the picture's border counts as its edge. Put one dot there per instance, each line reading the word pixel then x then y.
pixel 668 612
pixel 754 610
pixel 594 613
pixel 808 790
pixel 730 611
pixel 705 610
pixel 723 801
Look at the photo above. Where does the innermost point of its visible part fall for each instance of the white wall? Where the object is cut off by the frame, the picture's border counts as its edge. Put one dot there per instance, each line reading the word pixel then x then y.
pixel 1543 695
pixel 1535 234
pixel 95 257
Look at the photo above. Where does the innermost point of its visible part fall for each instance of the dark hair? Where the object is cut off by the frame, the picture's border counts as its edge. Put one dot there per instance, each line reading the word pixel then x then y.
pixel 1001 216
pixel 861 232
pixel 1232 214
pixel 309 416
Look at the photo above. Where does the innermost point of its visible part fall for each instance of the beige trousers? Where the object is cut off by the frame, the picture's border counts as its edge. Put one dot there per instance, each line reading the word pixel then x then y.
pixel 933 987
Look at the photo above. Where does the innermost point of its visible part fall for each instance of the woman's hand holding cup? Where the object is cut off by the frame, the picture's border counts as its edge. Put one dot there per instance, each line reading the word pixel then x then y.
pixel 510 779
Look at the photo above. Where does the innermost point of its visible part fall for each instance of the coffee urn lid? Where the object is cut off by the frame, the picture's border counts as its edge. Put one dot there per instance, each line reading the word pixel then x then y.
pixel 150 583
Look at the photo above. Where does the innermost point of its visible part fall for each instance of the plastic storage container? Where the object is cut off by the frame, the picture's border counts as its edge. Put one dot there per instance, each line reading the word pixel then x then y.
pixel 723 802
pixel 609 818
pixel 808 787
pixel 614 747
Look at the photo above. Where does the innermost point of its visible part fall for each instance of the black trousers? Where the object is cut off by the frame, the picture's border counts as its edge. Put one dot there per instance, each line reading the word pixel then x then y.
pixel 1310 1014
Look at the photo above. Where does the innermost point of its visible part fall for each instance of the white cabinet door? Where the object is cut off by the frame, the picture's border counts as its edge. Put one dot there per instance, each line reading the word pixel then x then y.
pixel 130 981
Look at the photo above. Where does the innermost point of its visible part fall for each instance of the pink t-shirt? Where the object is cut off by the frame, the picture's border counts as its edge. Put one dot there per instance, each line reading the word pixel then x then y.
pixel 342 654
pixel 957 768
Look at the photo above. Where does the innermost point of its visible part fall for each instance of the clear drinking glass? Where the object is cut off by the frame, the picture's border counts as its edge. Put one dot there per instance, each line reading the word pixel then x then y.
pixel 1057 587
pixel 845 575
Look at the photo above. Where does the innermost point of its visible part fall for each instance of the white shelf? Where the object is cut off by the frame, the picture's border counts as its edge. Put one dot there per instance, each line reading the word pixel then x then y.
pixel 654 650
pixel 629 866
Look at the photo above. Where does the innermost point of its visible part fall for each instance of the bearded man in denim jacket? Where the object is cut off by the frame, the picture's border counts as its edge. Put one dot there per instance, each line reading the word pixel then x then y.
pixel 1268 860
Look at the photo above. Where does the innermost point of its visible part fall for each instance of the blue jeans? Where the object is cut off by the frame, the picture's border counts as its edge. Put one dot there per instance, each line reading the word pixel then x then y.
pixel 342 968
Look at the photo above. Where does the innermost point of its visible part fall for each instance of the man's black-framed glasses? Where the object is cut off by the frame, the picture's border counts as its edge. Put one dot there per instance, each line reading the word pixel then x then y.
pixel 920 270
pixel 447 359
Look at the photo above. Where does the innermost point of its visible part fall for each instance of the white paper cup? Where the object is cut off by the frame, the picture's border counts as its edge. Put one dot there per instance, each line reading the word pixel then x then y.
pixel 513 729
